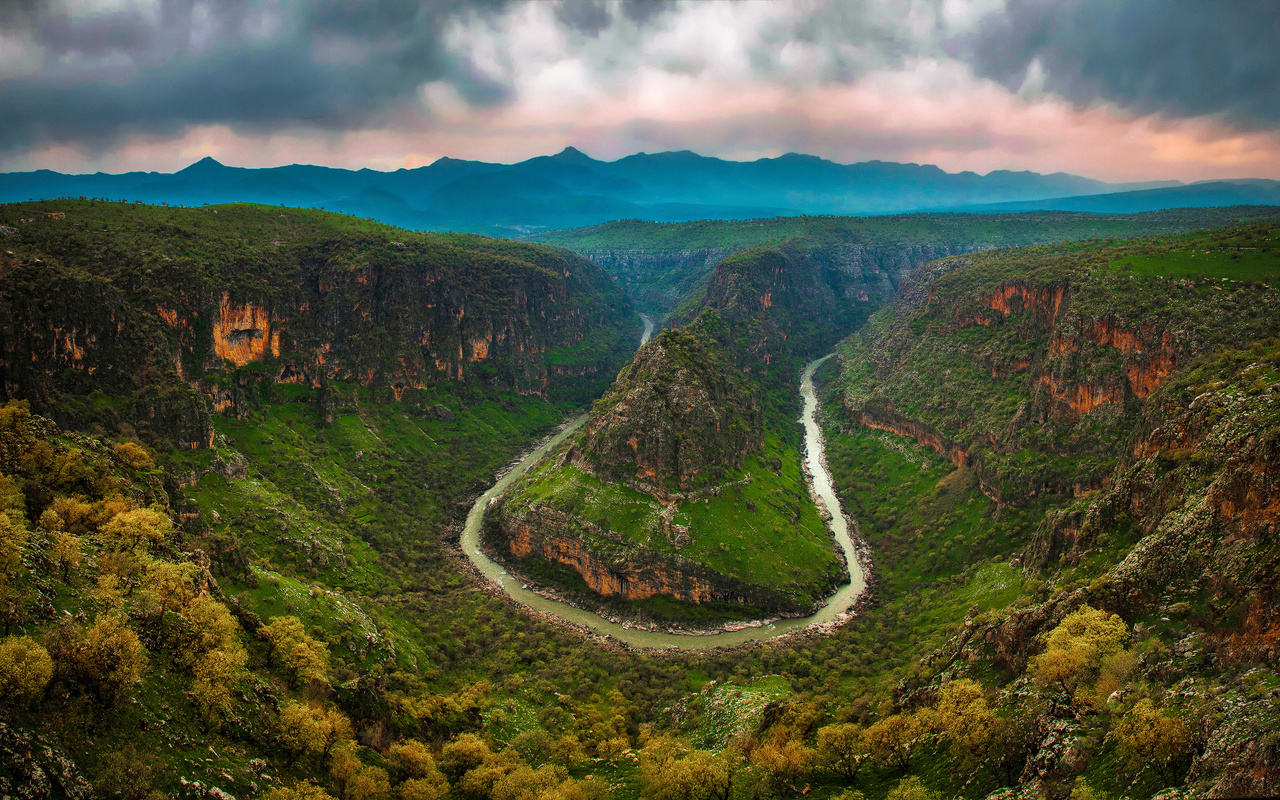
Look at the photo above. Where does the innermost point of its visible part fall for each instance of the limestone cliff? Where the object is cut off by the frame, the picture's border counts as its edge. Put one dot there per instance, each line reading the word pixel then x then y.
pixel 178 312
pixel 1035 377
pixel 856 272
pixel 614 568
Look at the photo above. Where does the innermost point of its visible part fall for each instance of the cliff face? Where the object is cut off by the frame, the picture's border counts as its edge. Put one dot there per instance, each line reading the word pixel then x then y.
pixel 613 568
pixel 677 418
pixel 657 280
pixel 1036 380
pixel 1140 411
pixel 392 316
pixel 772 307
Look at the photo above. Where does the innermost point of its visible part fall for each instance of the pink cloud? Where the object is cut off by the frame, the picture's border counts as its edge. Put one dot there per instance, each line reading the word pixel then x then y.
pixel 929 111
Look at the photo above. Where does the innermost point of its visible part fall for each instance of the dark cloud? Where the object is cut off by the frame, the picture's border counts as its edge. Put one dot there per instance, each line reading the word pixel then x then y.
pixel 734 135
pixel 644 11
pixel 1177 57
pixel 584 16
pixel 329 64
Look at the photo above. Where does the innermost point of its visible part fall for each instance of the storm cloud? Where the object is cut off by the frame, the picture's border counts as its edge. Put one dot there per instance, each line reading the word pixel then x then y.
pixel 1173 57
pixel 973 83
pixel 160 67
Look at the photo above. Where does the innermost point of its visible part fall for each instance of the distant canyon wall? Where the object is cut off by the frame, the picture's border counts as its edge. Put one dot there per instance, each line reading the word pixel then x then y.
pixel 661 279
pixel 171 353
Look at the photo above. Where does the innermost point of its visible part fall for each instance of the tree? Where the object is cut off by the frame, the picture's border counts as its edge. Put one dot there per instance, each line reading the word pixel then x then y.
pixel 216 673
pixel 133 455
pixel 784 764
pixel 671 770
pixel 67 553
pixel 302 655
pixel 534 746
pixel 411 759
pixel 843 747
pixel 13 414
pixel 344 766
pixel 310 728
pixel 1075 649
pixel 480 781
pixel 370 783
pixel 892 740
pixel 139 529
pixel 71 515
pixel 465 752
pixel 110 656
pixel 209 626
pixel 1147 737
pixel 567 751
pixel 167 586
pixel 964 718
pixel 25 670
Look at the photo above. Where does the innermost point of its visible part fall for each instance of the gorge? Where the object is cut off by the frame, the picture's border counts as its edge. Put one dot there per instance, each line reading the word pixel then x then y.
pixel 240 454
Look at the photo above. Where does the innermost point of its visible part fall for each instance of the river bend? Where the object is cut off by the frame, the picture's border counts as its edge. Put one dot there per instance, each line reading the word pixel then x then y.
pixel 833 610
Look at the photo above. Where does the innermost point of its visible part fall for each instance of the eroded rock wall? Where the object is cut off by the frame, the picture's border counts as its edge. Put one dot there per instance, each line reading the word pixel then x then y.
pixel 180 346
pixel 613 567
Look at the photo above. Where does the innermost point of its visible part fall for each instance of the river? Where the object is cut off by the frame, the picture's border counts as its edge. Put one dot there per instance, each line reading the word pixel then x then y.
pixel 832 611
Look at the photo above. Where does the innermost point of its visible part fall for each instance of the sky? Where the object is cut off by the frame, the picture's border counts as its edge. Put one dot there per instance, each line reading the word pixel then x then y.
pixel 1110 89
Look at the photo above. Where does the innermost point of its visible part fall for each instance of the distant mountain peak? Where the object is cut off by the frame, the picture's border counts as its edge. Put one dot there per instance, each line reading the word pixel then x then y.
pixel 796 157
pixel 572 153
pixel 205 164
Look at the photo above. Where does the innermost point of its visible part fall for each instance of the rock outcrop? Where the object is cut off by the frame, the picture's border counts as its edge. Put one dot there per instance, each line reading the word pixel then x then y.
pixel 613 567
pixel 677 418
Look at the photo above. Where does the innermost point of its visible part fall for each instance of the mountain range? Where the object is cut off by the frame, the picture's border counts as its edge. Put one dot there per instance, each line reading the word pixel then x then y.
pixel 571 189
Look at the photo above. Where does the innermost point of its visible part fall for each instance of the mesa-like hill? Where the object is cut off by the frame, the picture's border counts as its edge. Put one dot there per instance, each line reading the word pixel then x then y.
pixel 673 490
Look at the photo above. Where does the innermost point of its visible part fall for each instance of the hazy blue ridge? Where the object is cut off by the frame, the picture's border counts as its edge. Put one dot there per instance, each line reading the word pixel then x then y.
pixel 571 189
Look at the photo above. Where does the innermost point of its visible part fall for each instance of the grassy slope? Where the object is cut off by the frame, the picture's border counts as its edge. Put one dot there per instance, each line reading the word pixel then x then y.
pixel 767 532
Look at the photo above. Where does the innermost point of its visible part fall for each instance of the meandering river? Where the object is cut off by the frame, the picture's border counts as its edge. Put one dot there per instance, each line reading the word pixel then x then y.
pixel 832 611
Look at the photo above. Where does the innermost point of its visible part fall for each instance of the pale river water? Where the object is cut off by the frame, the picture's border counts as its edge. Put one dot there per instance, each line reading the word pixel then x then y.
pixel 834 610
